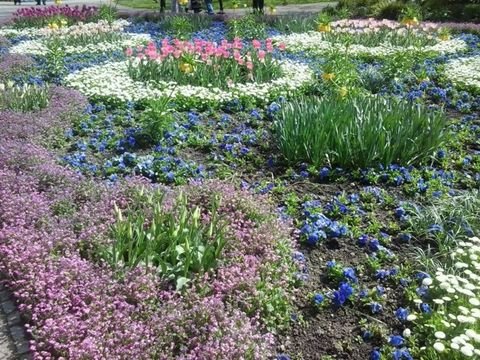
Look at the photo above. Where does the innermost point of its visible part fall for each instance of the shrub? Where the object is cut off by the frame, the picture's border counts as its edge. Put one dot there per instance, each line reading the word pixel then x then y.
pixel 358 132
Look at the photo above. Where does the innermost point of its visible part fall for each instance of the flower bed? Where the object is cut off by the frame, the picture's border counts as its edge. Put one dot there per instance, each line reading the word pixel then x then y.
pixel 95 37
pixel 464 72
pixel 113 80
pixel 157 211
pixel 314 43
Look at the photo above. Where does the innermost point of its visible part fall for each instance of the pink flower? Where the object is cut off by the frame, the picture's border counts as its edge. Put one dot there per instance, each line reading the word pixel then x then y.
pixel 256 44
pixel 282 46
pixel 129 51
pixel 250 65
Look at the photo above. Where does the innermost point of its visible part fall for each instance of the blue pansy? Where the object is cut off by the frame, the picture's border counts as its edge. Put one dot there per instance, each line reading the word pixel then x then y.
pixel 375 355
pixel 318 299
pixel 375 307
pixel 401 314
pixel 396 340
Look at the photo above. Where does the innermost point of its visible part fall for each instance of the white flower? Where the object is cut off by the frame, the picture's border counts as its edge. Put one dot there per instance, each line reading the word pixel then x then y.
pixel 112 80
pixel 427 281
pixel 454 346
pixel 467 351
pixel 474 301
pixel 411 317
pixel 407 333
pixel 438 346
pixel 464 72
pixel 440 335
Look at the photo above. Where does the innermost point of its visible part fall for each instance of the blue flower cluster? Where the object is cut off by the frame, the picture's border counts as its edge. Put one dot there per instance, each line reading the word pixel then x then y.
pixel 317 226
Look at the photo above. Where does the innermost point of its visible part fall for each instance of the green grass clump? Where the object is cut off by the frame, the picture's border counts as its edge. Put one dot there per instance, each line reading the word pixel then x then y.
pixel 177 242
pixel 358 132
pixel 23 98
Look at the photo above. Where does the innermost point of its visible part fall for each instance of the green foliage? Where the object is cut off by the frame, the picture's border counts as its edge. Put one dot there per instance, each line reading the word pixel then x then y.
pixel 294 23
pixel 107 12
pixel 155 120
pixel 23 98
pixel 182 26
pixel 177 241
pixel 218 72
pixel 457 217
pixel 247 27
pixel 358 132
pixel 55 59
pixel 372 79
pixel 388 9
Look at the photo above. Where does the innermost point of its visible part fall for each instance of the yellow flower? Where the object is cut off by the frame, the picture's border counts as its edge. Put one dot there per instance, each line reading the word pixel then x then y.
pixel 410 22
pixel 186 68
pixel 343 91
pixel 53 26
pixel 324 28
pixel 57 2
pixel 63 22
pixel 328 76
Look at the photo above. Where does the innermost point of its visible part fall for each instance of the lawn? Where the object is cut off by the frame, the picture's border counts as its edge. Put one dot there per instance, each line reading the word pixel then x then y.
pixel 254 188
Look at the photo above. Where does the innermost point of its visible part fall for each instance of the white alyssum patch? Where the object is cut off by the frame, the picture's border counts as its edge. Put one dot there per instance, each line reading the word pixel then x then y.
pixel 39 47
pixel 464 71
pixel 314 43
pixel 112 80
pixel 455 304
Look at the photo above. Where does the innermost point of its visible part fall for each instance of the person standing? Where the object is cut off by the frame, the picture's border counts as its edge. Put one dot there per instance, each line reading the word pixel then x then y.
pixel 19 2
pixel 40 2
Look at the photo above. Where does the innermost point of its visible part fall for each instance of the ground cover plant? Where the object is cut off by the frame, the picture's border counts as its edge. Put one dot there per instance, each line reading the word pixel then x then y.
pixel 292 188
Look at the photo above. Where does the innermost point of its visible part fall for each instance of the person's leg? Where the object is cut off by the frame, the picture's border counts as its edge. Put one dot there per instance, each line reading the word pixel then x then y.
pixel 261 5
pixel 220 5
pixel 209 5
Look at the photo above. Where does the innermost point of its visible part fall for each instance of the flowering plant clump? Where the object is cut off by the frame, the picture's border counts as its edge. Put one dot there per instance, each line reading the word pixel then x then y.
pixel 203 63
pixel 113 80
pixel 40 17
pixel 92 37
pixel 14 65
pixel 464 72
pixel 54 222
pixel 318 43
pixel 445 323
pixel 23 98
